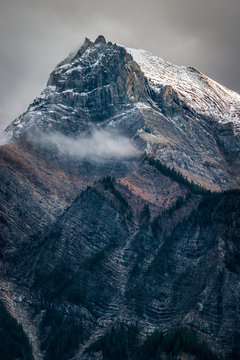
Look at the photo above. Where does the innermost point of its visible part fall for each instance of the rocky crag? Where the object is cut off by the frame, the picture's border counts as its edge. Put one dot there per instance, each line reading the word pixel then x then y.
pixel 95 241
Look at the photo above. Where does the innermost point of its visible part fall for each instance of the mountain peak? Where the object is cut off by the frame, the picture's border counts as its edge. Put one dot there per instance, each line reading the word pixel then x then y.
pixel 100 39
pixel 175 113
pixel 87 42
pixel 105 232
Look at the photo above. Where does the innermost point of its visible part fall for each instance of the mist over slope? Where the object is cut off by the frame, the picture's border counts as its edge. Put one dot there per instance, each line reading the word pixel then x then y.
pixel 99 145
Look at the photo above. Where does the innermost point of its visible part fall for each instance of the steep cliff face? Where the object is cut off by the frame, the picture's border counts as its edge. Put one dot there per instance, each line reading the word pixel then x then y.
pixel 93 86
pixel 176 113
pixel 91 239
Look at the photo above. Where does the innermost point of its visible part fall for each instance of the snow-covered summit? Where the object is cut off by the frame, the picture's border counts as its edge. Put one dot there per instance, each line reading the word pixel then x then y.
pixel 199 92
pixel 100 70
pixel 173 113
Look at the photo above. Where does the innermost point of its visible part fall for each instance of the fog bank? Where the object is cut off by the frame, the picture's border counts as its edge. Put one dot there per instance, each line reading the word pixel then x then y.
pixel 99 145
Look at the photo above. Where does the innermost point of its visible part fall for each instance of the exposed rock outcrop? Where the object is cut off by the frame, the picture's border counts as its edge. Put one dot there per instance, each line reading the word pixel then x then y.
pixel 88 244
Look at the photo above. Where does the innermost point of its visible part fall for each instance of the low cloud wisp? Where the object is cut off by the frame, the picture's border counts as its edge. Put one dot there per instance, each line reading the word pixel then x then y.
pixel 4 138
pixel 98 146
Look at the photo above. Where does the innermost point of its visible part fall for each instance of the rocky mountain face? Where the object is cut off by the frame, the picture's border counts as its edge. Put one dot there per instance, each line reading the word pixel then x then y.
pixel 177 114
pixel 119 211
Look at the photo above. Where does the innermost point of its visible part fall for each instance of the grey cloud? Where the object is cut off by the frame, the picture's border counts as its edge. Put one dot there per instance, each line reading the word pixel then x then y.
pixel 36 35
pixel 100 145
pixel 4 138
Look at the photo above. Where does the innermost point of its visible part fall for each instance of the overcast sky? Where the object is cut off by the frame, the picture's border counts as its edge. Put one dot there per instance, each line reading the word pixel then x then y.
pixel 35 35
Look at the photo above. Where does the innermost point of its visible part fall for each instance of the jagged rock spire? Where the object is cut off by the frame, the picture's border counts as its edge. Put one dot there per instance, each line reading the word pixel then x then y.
pixel 100 39
pixel 87 42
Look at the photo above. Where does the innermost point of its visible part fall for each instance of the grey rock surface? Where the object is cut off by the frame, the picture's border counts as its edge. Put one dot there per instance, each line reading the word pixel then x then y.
pixel 144 247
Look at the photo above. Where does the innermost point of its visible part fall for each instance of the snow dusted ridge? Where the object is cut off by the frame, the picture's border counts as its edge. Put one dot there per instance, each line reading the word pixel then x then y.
pixel 101 87
pixel 199 92
pixel 88 77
